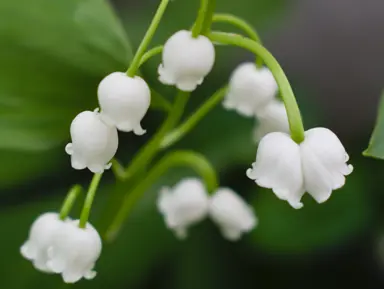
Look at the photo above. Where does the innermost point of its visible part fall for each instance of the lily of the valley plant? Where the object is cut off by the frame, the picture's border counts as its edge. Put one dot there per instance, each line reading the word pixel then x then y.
pixel 289 160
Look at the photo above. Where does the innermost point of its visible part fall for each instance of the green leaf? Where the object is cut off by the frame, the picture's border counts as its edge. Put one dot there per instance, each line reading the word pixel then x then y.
pixel 53 55
pixel 283 229
pixel 376 144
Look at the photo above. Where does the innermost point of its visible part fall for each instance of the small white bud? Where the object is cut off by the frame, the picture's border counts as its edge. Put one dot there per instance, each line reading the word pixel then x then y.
pixel 183 205
pixel 318 165
pixel 94 143
pixel 250 89
pixel 124 101
pixel 74 252
pixel 186 60
pixel 232 214
pixel 271 119
pixel 40 239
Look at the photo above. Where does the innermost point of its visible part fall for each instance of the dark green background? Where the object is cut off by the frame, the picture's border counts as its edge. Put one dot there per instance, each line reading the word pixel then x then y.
pixel 52 56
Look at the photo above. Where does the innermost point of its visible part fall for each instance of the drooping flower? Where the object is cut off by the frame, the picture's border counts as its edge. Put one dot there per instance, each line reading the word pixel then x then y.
pixel 318 165
pixel 124 101
pixel 250 89
pixel 183 205
pixel 40 239
pixel 94 143
pixel 273 118
pixel 186 60
pixel 74 252
pixel 231 213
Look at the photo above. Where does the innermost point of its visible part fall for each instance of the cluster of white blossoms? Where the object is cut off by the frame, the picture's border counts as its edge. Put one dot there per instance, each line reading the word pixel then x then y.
pixel 124 101
pixel 57 246
pixel 188 203
pixel 318 165
pixel 252 93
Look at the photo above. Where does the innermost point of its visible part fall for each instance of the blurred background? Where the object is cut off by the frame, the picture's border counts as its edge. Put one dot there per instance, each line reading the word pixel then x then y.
pixel 54 53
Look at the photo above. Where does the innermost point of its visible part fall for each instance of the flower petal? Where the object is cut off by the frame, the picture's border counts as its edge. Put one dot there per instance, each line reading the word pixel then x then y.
pixel 324 163
pixel 278 167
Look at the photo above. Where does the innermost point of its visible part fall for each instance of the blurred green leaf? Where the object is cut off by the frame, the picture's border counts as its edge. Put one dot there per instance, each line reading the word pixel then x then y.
pixel 283 229
pixel 52 55
pixel 376 144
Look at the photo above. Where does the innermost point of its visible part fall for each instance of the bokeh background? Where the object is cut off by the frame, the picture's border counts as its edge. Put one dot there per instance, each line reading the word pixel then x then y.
pixel 54 53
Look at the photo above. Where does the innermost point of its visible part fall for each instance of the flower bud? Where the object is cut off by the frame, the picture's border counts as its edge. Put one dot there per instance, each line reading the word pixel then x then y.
pixel 231 213
pixel 186 60
pixel 183 205
pixel 124 101
pixel 40 239
pixel 74 252
pixel 94 143
pixel 250 89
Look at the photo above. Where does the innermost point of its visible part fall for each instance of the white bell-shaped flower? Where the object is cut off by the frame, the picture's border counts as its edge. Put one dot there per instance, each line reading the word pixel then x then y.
pixel 124 101
pixel 250 89
pixel 74 252
pixel 231 213
pixel 318 165
pixel 186 60
pixel 40 238
pixel 94 143
pixel 272 118
pixel 183 205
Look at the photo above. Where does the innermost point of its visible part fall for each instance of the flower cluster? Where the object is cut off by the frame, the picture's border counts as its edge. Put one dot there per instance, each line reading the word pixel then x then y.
pixel 289 160
pixel 124 102
pixel 318 165
pixel 60 246
pixel 188 203
pixel 252 93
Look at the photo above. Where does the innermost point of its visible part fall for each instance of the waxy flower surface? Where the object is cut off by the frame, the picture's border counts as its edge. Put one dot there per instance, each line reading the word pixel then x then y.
pixel 74 252
pixel 124 101
pixel 186 60
pixel 94 143
pixel 250 89
pixel 40 238
pixel 183 205
pixel 231 213
pixel 273 118
pixel 318 165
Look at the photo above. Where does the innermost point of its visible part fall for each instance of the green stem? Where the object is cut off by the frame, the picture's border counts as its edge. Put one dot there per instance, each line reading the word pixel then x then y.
pixel 89 200
pixel 151 53
pixel 175 135
pixel 148 152
pixel 293 112
pixel 118 170
pixel 197 28
pixel 69 201
pixel 206 28
pixel 242 25
pixel 147 38
pixel 239 23
pixel 174 159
